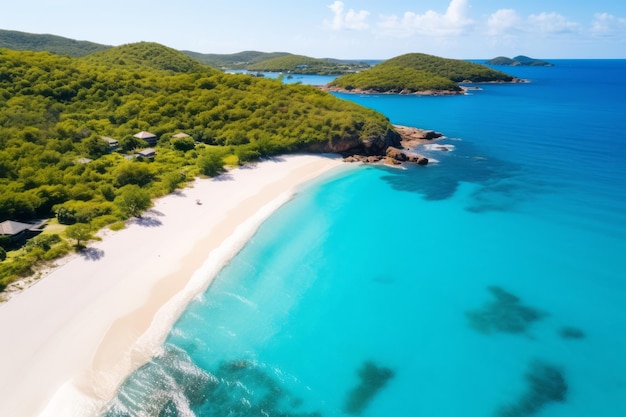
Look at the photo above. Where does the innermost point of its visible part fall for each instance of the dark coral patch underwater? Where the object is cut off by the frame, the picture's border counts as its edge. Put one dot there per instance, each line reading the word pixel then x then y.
pixel 545 384
pixel 505 314
pixel 372 379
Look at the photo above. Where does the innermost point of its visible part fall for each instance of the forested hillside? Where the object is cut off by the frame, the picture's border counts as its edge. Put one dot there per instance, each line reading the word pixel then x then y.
pixel 55 111
pixel 22 41
pixel 239 60
pixel 416 72
pixel 300 64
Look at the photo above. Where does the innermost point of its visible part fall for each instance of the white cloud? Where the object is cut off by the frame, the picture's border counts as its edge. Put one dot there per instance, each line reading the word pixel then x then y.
pixel 607 25
pixel 503 22
pixel 551 23
pixel 455 21
pixel 350 19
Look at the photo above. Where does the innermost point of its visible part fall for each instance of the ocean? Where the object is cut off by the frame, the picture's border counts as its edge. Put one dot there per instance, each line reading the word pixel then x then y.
pixel 489 283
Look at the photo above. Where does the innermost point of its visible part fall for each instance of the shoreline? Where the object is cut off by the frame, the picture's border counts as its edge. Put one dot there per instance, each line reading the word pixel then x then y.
pixel 74 336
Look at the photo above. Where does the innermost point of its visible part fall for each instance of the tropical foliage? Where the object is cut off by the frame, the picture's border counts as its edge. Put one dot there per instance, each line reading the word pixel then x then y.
pixel 299 64
pixel 418 72
pixel 55 111
pixel 239 60
pixel 22 41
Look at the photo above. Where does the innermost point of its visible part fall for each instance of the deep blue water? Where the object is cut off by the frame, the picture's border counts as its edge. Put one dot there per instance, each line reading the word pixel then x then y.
pixel 489 283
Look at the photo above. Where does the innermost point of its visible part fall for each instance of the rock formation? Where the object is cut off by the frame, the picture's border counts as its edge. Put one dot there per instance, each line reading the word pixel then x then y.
pixel 391 149
pixel 368 146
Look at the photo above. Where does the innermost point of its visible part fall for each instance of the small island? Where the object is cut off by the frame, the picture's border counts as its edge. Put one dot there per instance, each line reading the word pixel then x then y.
pixel 519 60
pixel 417 73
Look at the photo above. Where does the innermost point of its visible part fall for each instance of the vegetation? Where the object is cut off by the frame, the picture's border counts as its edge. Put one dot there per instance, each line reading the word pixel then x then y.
pixel 517 61
pixel 299 64
pixel 416 72
pixel 278 62
pixel 80 232
pixel 249 60
pixel 240 60
pixel 54 111
pixel 21 41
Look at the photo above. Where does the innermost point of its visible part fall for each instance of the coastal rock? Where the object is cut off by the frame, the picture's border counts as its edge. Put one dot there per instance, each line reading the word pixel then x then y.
pixel 401 156
pixel 397 154
pixel 370 145
pixel 376 148
pixel 410 134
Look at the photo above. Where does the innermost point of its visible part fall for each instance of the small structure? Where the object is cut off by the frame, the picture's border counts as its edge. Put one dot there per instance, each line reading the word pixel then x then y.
pixel 18 231
pixel 146 153
pixel 147 136
pixel 180 135
pixel 84 160
pixel 113 143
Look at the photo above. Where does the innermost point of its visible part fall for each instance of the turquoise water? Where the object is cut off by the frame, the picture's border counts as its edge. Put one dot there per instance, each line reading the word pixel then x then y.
pixel 490 283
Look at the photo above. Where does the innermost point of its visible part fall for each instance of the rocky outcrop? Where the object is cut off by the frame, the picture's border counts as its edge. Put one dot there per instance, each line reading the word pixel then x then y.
pixel 403 156
pixel 393 156
pixel 413 136
pixel 368 146
pixel 391 148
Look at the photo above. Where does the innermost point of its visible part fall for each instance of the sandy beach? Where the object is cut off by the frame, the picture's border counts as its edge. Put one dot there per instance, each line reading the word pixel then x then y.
pixel 70 340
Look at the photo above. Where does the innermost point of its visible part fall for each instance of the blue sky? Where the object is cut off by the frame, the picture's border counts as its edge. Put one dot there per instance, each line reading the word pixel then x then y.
pixel 339 28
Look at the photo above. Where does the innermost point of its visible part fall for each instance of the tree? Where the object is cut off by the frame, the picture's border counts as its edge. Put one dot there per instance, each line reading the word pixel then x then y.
pixel 3 254
pixel 80 232
pixel 130 143
pixel 95 147
pixel 183 144
pixel 211 163
pixel 133 200
pixel 132 173
pixel 172 180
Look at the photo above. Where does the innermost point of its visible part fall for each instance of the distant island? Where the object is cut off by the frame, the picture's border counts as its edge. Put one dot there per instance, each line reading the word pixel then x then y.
pixel 519 60
pixel 417 73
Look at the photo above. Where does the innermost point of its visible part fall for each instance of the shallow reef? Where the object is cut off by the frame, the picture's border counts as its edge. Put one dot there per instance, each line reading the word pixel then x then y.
pixel 504 314
pixel 248 389
pixel 545 384
pixel 372 379
pixel 171 385
pixel 569 332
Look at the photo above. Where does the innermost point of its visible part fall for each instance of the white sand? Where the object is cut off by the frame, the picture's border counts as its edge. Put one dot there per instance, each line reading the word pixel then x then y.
pixel 70 340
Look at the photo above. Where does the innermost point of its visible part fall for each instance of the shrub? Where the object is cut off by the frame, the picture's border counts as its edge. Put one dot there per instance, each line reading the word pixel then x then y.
pixel 183 144
pixel 133 200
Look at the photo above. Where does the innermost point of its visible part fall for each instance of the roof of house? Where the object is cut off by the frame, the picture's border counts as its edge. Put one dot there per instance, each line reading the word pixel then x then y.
pixel 181 135
pixel 84 160
pixel 11 228
pixel 146 152
pixel 144 135
pixel 111 141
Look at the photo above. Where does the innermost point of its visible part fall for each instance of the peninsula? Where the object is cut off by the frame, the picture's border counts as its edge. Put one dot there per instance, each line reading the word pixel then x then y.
pixel 417 73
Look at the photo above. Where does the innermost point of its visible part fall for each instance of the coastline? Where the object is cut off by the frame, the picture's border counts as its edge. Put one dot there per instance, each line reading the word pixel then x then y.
pixel 71 339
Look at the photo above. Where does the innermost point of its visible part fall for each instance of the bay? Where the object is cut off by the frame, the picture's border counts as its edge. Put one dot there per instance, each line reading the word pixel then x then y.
pixel 489 283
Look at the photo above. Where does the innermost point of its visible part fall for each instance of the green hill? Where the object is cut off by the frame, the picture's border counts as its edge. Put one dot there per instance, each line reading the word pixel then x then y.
pixel 250 60
pixel 299 64
pixel 240 60
pixel 414 73
pixel 146 55
pixel 55 111
pixel 21 41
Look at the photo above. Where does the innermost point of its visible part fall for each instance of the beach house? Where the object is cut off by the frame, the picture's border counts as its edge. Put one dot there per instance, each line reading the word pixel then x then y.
pixel 147 136
pixel 19 232
pixel 113 143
